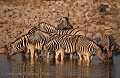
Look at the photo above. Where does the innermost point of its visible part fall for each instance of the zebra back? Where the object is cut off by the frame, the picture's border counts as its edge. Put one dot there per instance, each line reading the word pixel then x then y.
pixel 56 42
pixel 51 30
pixel 74 31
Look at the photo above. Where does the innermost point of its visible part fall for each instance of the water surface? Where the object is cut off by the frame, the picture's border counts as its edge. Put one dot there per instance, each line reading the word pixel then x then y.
pixel 22 67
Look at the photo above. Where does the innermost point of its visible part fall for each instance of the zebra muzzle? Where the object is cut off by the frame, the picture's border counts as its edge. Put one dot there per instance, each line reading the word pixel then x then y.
pixel 8 57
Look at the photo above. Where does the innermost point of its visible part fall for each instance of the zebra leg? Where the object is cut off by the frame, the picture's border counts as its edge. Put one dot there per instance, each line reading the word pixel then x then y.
pixel 59 51
pixel 48 55
pixel 80 56
pixel 88 58
pixel 56 55
pixel 31 48
pixel 62 55
pixel 91 57
pixel 71 56
pixel 32 53
pixel 36 54
pixel 84 57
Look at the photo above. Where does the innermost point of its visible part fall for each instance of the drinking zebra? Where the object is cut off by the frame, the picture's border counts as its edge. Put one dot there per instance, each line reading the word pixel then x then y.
pixel 18 44
pixel 23 42
pixel 108 44
pixel 70 44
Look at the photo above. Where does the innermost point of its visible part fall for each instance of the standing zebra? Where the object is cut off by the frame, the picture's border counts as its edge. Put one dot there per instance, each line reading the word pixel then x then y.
pixel 38 40
pixel 68 43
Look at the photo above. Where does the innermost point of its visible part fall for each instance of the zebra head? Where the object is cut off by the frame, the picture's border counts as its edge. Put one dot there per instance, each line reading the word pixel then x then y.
pixel 99 52
pixel 3 49
pixel 116 50
pixel 63 19
pixel 105 56
pixel 64 24
pixel 107 45
pixel 11 50
pixel 101 55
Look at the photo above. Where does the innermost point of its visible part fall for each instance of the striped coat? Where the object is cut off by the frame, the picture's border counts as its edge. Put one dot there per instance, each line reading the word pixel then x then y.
pixel 70 44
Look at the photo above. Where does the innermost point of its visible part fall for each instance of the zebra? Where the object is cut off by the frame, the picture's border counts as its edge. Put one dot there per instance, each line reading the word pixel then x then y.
pixel 88 48
pixel 18 44
pixel 116 50
pixel 52 31
pixel 107 43
pixel 38 40
pixel 71 44
pixel 64 24
pixel 21 43
pixel 34 39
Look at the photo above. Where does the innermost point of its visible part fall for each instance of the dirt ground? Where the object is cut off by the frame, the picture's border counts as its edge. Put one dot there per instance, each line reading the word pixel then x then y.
pixel 95 16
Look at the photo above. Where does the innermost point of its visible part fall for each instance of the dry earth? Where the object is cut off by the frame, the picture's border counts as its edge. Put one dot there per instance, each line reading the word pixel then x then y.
pixel 95 16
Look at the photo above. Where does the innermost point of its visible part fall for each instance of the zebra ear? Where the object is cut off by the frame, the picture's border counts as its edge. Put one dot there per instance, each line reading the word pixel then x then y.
pixel 68 15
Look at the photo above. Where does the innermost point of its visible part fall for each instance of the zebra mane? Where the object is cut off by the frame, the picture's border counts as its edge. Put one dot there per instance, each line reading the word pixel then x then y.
pixel 17 39
pixel 44 23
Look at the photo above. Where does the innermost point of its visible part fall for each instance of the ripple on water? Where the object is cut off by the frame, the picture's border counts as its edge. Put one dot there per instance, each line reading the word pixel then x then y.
pixel 23 68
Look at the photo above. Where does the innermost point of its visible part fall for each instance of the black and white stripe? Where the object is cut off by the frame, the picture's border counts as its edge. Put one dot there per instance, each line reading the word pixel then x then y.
pixel 51 30
pixel 22 42
pixel 19 43
pixel 68 43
